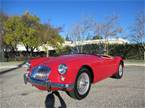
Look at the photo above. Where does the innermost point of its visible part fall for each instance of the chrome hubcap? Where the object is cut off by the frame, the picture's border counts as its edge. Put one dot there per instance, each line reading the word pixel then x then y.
pixel 83 83
pixel 120 70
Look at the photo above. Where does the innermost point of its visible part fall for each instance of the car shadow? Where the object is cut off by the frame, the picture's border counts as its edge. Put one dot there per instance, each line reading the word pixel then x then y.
pixel 50 100
pixel 11 69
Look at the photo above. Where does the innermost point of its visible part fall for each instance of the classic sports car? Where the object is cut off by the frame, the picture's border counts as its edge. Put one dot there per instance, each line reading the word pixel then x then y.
pixel 72 73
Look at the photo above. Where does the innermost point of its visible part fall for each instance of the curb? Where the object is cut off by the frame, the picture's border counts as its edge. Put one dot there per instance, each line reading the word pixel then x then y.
pixel 134 64
pixel 15 66
pixel 8 67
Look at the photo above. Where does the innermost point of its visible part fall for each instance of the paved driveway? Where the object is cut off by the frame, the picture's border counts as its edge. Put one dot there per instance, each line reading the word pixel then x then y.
pixel 110 93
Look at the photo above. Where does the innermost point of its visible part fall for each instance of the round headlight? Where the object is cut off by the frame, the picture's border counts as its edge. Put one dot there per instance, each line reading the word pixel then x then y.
pixel 62 68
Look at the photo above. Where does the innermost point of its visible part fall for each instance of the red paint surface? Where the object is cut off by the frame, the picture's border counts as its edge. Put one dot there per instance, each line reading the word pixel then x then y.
pixel 102 67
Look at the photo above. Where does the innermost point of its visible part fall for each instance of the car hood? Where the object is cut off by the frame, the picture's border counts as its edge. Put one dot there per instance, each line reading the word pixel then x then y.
pixel 64 59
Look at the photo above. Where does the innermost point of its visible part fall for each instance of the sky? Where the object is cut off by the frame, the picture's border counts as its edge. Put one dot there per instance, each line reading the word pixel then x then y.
pixel 67 12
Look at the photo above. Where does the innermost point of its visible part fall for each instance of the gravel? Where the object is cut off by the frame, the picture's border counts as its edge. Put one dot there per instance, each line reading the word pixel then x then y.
pixel 127 92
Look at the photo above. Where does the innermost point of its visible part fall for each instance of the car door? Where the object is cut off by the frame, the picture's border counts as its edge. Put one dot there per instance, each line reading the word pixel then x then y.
pixel 99 68
pixel 108 66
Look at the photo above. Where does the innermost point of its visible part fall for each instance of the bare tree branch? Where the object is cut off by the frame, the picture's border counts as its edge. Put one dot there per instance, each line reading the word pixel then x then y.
pixel 138 29
pixel 81 31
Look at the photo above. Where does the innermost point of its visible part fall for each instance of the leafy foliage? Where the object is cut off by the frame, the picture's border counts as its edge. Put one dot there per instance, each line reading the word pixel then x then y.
pixel 3 18
pixel 30 34
pixel 97 37
pixel 28 30
pixel 13 28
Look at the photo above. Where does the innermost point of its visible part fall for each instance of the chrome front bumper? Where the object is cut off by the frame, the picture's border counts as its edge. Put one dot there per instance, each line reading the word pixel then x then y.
pixel 47 84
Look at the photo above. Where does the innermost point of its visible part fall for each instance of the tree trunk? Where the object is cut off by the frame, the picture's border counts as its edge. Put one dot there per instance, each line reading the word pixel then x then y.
pixel 47 52
pixel 6 54
pixel 106 46
pixel 32 50
pixel 1 54
pixel 27 51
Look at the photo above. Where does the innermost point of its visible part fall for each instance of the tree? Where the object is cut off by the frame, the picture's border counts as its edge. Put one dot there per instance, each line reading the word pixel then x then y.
pixel 67 38
pixel 31 27
pixel 97 37
pixel 13 28
pixel 3 18
pixel 88 28
pixel 138 29
pixel 22 29
pixel 28 30
pixel 51 37
pixel 138 32
pixel 108 29
pixel 82 31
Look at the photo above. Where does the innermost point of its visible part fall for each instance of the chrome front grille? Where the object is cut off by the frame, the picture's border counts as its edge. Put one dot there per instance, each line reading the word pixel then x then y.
pixel 40 72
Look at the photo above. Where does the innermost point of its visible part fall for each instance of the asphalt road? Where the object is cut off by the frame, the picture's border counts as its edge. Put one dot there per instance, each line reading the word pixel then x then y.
pixel 109 93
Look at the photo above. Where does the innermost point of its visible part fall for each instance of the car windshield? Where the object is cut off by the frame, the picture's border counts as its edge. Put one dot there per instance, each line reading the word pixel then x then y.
pixel 85 50
pixel 89 53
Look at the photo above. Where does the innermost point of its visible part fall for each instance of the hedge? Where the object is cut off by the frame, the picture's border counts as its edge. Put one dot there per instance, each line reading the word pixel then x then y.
pixel 127 51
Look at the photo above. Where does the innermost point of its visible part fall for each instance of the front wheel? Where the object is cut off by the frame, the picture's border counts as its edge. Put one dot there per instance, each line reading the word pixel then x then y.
pixel 82 85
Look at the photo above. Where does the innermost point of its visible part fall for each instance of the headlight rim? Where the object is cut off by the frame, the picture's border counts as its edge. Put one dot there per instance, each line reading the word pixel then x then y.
pixel 65 68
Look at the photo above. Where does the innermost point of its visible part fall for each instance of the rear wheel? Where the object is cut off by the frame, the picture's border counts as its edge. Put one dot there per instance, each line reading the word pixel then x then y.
pixel 82 85
pixel 119 74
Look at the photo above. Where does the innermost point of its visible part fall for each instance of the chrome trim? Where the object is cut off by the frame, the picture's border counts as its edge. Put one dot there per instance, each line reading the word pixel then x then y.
pixel 62 68
pixel 47 84
pixel 120 70
pixel 83 83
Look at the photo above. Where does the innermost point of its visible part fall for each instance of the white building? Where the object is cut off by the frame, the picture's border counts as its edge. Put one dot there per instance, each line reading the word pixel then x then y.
pixel 21 47
pixel 97 41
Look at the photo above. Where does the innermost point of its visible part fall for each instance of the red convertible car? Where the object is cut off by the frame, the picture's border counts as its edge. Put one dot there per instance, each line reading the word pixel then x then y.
pixel 72 73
